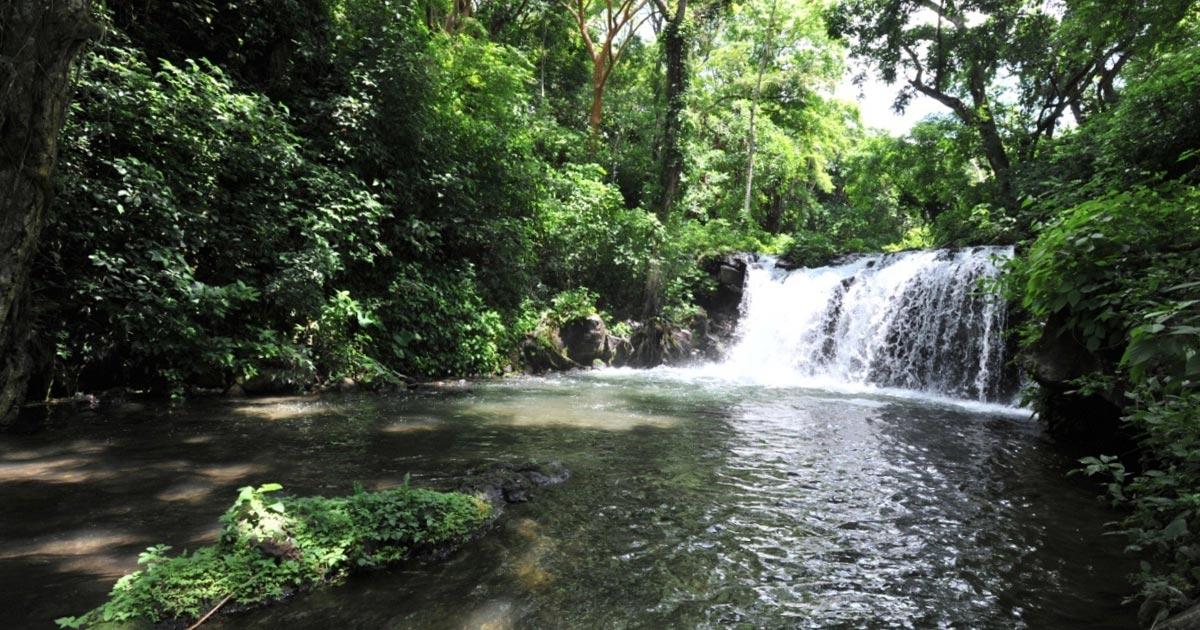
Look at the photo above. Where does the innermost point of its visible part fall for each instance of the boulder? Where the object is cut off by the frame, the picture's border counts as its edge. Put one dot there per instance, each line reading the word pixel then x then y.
pixel 622 351
pixel 721 303
pixel 659 343
pixel 1091 420
pixel 731 277
pixel 586 340
pixel 1187 620
pixel 543 352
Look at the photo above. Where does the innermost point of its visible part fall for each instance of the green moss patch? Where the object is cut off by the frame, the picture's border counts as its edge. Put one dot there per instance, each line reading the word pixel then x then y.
pixel 273 545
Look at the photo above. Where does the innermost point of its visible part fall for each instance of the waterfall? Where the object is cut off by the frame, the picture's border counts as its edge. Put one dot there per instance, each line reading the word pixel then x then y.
pixel 912 320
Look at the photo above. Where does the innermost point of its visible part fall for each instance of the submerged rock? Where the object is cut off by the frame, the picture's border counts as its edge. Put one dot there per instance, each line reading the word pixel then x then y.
pixel 504 483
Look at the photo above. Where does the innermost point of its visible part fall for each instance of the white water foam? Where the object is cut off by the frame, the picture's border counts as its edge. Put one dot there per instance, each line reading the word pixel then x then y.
pixel 911 325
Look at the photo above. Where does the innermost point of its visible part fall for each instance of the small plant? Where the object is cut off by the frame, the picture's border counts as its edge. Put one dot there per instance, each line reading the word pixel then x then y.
pixel 571 305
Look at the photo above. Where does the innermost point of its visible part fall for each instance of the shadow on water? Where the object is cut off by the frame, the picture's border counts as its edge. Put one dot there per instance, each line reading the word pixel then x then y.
pixel 690 505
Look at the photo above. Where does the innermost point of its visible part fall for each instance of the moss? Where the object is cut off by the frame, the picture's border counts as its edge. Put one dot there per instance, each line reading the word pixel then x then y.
pixel 273 545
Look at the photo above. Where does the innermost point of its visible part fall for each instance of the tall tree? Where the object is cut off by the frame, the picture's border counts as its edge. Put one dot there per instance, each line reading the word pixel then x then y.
pixel 772 59
pixel 619 22
pixel 39 40
pixel 768 42
pixel 675 51
pixel 959 53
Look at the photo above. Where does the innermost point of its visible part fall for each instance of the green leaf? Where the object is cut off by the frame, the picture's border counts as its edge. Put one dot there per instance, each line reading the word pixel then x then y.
pixel 1175 529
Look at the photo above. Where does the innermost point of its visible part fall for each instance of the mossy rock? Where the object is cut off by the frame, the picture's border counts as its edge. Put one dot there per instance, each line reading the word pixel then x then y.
pixel 273 545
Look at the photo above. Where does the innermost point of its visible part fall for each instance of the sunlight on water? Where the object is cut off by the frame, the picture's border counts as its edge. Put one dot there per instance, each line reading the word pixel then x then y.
pixel 694 501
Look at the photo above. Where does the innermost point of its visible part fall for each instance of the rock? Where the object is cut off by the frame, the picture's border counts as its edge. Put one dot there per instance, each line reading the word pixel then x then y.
pixel 211 380
pixel 586 340
pixel 283 549
pixel 622 351
pixel 541 354
pixel 347 385
pixel 658 343
pixel 235 391
pixel 1186 620
pixel 731 277
pixel 1090 420
pixel 505 483
pixel 721 303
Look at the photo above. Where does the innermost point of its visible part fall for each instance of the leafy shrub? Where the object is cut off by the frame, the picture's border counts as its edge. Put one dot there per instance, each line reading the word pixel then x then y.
pixel 587 238
pixel 439 324
pixel 193 236
pixel 974 225
pixel 571 305
pixel 812 250
pixel 1162 493
pixel 1113 273
pixel 343 340
pixel 1108 262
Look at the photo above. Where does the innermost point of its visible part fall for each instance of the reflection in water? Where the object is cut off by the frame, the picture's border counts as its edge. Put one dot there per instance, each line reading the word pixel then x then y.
pixel 692 503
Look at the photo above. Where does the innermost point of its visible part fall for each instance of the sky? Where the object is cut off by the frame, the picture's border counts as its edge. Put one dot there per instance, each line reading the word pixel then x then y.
pixel 875 98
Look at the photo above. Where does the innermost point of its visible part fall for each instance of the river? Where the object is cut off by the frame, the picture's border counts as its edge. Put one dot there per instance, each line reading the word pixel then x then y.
pixel 694 502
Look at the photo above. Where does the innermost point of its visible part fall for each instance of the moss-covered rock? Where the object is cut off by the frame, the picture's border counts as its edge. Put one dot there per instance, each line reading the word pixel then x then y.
pixel 272 545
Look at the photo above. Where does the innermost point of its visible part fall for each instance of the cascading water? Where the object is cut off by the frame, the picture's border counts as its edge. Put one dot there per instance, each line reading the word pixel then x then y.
pixel 912 320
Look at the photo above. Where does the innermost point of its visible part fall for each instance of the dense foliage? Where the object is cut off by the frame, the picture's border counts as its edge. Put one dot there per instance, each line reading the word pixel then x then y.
pixel 272 546
pixel 1109 278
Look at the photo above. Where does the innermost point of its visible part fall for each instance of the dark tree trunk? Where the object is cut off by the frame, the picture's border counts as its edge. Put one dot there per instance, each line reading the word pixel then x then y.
pixel 675 53
pixel 993 145
pixel 997 157
pixel 39 40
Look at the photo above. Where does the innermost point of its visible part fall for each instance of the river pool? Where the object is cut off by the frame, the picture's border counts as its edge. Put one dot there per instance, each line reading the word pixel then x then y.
pixel 694 502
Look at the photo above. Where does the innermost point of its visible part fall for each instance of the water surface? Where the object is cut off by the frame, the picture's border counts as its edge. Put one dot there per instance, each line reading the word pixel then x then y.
pixel 694 502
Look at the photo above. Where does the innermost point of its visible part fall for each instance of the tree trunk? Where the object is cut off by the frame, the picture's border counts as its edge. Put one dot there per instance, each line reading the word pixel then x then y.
pixel 675 52
pixel 597 103
pixel 993 146
pixel 997 158
pixel 752 141
pixel 39 40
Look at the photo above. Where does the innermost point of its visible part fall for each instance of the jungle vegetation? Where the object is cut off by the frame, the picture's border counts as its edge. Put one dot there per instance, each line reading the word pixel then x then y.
pixel 385 190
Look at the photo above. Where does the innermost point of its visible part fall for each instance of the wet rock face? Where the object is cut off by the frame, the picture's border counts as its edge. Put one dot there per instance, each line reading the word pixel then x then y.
pixel 658 343
pixel 722 305
pixel 1090 420
pixel 505 483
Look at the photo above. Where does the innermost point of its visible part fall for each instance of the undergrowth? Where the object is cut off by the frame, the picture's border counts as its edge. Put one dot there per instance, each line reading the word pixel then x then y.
pixel 272 545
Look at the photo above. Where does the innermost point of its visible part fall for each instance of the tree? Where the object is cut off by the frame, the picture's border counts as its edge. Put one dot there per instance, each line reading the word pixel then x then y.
pixel 1065 59
pixel 770 61
pixel 620 21
pixel 767 43
pixel 675 49
pixel 39 40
